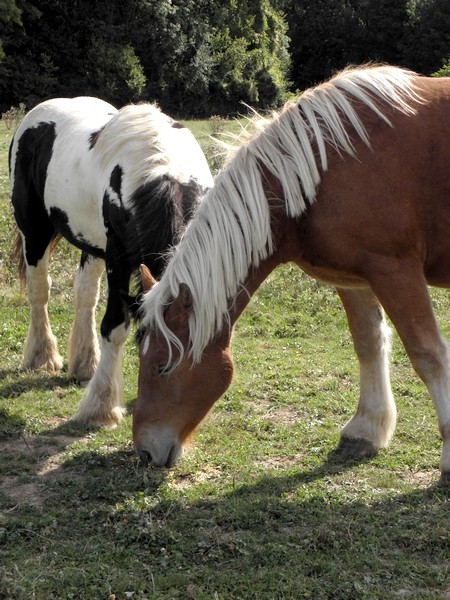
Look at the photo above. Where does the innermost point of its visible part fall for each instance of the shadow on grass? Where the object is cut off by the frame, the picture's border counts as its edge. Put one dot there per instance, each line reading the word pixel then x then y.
pixel 10 425
pixel 263 530
pixel 278 535
pixel 31 380
pixel 109 475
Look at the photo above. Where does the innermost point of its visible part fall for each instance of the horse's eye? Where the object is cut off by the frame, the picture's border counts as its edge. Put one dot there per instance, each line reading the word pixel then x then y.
pixel 163 370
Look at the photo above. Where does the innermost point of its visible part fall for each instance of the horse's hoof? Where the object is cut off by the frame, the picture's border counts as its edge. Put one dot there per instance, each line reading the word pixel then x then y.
pixel 50 365
pixel 355 448
pixel 100 417
pixel 81 376
pixel 445 479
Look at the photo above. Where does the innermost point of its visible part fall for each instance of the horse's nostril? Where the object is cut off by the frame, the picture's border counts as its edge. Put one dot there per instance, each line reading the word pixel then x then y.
pixel 172 457
pixel 145 458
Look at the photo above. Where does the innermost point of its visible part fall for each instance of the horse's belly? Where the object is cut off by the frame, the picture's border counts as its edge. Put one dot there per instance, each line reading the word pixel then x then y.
pixel 332 276
pixel 76 214
pixel 438 273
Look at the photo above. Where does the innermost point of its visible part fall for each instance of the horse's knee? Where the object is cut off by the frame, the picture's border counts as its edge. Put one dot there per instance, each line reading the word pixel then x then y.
pixel 116 335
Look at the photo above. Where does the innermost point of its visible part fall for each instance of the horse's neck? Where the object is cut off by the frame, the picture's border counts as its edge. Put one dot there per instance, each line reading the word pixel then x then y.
pixel 255 278
pixel 285 240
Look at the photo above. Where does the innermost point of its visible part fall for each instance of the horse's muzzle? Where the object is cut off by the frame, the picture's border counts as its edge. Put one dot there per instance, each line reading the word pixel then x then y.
pixel 147 460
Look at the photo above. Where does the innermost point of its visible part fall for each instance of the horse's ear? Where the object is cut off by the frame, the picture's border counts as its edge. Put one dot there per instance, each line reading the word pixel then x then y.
pixel 185 296
pixel 147 279
pixel 182 305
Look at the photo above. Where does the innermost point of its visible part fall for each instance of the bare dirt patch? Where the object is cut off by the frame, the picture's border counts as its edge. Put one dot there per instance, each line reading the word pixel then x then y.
pixel 280 462
pixel 45 453
pixel 421 479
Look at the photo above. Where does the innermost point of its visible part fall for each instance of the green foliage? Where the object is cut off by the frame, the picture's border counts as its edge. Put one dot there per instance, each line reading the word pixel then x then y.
pixel 211 57
pixel 327 35
pixel 115 72
pixel 55 58
pixel 170 52
pixel 174 46
pixel 250 55
pixel 429 35
pixel 201 58
pixel 10 12
pixel 444 71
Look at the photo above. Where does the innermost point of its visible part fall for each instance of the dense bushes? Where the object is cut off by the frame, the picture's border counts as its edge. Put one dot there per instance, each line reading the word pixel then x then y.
pixel 195 57
pixel 330 34
pixel 203 57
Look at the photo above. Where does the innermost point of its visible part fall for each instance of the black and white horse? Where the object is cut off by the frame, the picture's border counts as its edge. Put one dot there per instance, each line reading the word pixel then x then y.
pixel 119 185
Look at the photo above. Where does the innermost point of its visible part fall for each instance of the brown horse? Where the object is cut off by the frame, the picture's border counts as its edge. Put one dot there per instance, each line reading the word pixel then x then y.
pixel 352 183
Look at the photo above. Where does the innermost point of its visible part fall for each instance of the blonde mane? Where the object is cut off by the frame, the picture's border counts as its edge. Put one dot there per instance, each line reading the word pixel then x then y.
pixel 231 230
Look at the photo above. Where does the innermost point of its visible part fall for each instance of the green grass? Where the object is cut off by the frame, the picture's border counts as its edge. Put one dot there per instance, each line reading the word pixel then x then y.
pixel 258 508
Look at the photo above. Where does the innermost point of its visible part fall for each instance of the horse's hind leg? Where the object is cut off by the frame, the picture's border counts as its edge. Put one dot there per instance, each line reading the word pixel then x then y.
pixel 402 290
pixel 28 172
pixel 84 351
pixel 41 348
pixel 374 422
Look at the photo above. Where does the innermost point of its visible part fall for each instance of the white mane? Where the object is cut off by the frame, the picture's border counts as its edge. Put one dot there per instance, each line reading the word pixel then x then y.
pixel 145 142
pixel 231 230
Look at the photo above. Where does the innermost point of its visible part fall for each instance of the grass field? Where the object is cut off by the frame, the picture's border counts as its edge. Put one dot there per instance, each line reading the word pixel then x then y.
pixel 258 508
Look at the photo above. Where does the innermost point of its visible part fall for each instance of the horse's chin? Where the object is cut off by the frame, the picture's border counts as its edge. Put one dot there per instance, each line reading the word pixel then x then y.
pixel 158 446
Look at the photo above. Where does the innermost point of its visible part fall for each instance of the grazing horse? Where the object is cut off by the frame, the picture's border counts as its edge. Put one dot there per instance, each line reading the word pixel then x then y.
pixel 352 183
pixel 119 185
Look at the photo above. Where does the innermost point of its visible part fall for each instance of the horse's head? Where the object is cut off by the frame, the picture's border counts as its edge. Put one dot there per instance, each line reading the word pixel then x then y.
pixel 175 395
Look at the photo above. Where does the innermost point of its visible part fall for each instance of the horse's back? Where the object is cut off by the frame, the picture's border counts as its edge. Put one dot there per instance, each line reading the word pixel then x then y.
pixel 52 165
pixel 391 200
pixel 72 114
pixel 60 129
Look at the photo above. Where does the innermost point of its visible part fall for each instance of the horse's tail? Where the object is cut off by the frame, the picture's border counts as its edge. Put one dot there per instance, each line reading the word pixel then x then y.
pixel 19 257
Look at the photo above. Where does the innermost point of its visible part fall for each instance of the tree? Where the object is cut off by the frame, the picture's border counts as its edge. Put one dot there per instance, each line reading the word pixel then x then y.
pixel 9 13
pixel 173 43
pixel 24 69
pixel 325 36
pixel 444 71
pixel 176 52
pixel 204 57
pixel 382 29
pixel 251 59
pixel 428 41
pixel 69 49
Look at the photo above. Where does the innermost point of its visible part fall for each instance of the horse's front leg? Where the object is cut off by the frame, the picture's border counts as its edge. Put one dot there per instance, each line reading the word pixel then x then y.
pixel 84 351
pixel 102 403
pixel 373 424
pixel 41 348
